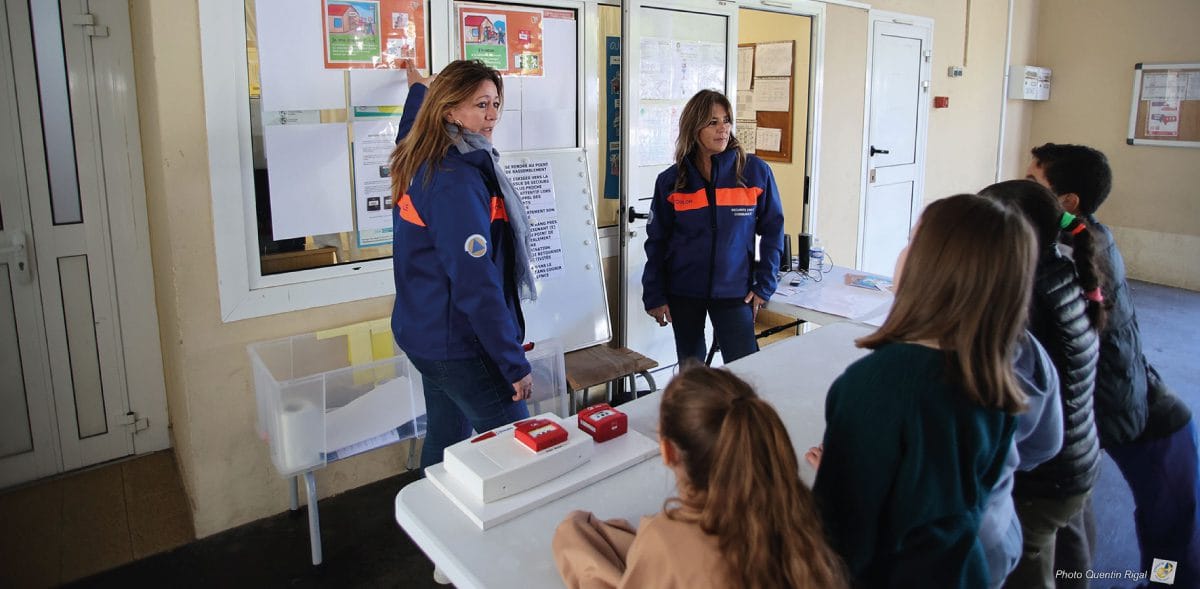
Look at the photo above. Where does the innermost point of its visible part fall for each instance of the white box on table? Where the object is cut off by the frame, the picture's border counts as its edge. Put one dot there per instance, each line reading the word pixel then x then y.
pixel 500 466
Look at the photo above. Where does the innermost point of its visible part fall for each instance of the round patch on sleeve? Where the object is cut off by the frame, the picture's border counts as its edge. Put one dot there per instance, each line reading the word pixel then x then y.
pixel 476 246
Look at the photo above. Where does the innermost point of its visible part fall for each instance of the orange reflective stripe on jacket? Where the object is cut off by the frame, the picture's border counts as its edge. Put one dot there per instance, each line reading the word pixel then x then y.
pixel 726 197
pixel 738 197
pixel 689 201
pixel 408 212
pixel 498 210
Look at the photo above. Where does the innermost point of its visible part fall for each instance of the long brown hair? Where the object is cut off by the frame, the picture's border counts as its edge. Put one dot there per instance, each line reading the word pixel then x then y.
pixel 695 116
pixel 966 284
pixel 1045 214
pixel 428 141
pixel 741 482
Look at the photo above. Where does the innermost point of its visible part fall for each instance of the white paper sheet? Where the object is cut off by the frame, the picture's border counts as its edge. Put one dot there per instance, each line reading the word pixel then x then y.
pixel 773 59
pixel 292 59
pixel 386 407
pixel 535 183
pixel 655 134
pixel 747 136
pixel 655 69
pixel 745 67
pixel 772 94
pixel 745 105
pixel 548 129
pixel 373 145
pixel 378 87
pixel 309 171
pixel 768 139
pixel 833 296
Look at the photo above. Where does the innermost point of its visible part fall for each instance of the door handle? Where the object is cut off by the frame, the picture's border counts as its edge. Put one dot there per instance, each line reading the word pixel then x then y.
pixel 876 151
pixel 634 215
pixel 13 248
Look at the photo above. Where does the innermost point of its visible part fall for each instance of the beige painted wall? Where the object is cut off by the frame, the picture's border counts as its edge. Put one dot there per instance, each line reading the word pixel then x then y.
pixel 962 139
pixel 210 399
pixel 757 26
pixel 1091 46
pixel 225 467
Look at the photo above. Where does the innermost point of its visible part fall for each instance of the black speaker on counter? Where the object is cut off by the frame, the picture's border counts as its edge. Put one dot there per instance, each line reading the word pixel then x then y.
pixel 785 261
pixel 803 244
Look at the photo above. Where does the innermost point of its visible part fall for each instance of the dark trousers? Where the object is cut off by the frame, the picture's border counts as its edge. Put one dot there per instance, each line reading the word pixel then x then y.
pixel 732 319
pixel 461 395
pixel 1165 479
pixel 1042 522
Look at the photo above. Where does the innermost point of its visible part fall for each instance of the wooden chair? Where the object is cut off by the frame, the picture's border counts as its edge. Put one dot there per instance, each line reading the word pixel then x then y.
pixel 601 364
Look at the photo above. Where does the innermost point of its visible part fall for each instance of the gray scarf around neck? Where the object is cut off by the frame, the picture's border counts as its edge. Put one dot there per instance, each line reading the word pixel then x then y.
pixel 466 142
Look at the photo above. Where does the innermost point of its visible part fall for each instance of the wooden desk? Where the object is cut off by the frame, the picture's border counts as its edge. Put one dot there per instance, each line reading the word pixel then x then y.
pixel 794 375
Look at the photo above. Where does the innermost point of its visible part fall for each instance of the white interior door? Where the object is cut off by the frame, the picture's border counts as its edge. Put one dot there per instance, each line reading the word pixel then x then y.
pixel 673 50
pixel 898 115
pixel 78 326
pixel 27 430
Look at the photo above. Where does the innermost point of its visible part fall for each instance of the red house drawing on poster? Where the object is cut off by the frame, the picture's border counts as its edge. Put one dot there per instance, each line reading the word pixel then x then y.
pixel 478 28
pixel 343 18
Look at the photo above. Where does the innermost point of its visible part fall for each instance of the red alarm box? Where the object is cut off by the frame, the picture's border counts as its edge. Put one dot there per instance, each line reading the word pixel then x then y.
pixel 539 434
pixel 603 423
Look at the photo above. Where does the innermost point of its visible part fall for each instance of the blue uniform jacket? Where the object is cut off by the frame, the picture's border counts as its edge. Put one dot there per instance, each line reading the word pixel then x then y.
pixel 452 255
pixel 700 240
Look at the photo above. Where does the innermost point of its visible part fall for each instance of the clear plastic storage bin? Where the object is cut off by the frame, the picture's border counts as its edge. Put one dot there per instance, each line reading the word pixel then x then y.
pixel 331 394
pixel 328 395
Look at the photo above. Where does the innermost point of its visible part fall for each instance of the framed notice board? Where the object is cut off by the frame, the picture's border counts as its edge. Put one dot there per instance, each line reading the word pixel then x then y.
pixel 1166 105
pixel 770 99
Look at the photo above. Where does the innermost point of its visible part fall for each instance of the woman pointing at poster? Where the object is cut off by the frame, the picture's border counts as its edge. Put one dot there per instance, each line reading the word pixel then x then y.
pixel 706 211
pixel 460 257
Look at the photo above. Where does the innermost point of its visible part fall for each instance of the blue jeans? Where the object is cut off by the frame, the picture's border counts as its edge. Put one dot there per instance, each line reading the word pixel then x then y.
pixel 1164 475
pixel 461 395
pixel 732 319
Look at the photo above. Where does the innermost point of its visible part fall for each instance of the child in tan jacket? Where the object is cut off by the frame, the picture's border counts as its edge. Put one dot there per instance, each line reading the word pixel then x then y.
pixel 742 518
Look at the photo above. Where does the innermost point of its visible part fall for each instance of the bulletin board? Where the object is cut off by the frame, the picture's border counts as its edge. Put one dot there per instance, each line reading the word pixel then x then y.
pixel 1165 109
pixel 765 109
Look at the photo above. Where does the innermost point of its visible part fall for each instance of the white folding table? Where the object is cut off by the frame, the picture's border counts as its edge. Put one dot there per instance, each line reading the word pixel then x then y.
pixel 793 375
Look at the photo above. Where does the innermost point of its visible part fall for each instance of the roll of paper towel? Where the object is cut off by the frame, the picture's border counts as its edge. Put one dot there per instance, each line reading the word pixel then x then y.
pixel 301 435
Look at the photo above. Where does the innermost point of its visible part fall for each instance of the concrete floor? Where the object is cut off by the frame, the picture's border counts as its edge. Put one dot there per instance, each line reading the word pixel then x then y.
pixel 365 548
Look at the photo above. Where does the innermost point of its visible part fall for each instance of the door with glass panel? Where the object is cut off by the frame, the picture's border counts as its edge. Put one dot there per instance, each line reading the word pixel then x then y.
pixel 674 49
pixel 78 328
pixel 27 448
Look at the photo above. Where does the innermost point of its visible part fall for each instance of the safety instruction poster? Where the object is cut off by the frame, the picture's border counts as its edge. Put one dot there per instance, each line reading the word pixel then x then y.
pixel 373 144
pixel 508 40
pixel 1163 118
pixel 382 34
pixel 535 184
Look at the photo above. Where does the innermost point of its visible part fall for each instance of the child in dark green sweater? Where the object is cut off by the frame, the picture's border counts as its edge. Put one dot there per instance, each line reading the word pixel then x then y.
pixel 917 432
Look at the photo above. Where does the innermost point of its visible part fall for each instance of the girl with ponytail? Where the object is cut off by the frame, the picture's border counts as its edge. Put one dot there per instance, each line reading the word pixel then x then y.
pixel 742 517
pixel 1066 314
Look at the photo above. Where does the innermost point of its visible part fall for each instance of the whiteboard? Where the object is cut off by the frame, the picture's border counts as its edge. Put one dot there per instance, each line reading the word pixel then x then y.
pixel 572 303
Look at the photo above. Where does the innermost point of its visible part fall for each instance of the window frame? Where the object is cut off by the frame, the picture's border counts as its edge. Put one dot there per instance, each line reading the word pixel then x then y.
pixel 243 290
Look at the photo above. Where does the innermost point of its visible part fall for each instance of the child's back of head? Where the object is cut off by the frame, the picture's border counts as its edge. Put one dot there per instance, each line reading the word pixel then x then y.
pixel 1075 169
pixel 739 476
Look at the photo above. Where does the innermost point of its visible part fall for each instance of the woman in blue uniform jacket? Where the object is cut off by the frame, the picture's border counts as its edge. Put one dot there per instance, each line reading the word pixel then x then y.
pixel 706 211
pixel 460 257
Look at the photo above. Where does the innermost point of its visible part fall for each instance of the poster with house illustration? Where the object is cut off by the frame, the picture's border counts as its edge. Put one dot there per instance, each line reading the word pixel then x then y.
pixel 508 40
pixel 351 32
pixel 378 34
pixel 484 39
